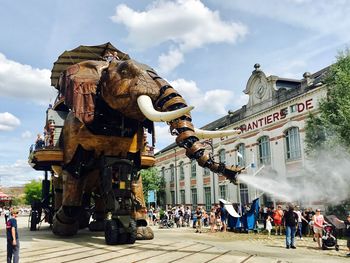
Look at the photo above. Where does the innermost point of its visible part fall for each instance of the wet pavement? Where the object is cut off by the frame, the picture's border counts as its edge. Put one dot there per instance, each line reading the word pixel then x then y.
pixel 169 245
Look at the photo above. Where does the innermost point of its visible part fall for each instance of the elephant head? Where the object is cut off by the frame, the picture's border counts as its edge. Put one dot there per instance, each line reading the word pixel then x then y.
pixel 139 93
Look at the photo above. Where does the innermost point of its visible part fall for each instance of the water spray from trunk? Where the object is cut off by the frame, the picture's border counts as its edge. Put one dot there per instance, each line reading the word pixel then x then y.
pixel 325 178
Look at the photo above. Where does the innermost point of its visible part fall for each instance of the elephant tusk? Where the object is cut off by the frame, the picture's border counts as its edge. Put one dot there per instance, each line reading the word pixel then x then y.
pixel 203 134
pixel 146 107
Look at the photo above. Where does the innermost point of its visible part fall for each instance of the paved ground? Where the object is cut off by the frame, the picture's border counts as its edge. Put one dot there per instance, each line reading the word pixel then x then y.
pixel 169 245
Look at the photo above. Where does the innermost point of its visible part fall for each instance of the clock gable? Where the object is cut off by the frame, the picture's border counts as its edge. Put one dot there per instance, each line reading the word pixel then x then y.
pixel 259 87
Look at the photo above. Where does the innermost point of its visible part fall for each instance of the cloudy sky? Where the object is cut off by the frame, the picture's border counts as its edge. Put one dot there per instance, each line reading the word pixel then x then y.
pixel 206 49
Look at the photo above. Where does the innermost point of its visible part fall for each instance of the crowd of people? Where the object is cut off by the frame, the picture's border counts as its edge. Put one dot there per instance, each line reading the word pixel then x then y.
pixel 292 221
pixel 289 220
pixel 276 217
pixel 181 216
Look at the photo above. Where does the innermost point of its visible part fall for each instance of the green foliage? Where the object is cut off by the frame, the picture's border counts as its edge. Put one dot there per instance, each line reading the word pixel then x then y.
pixel 314 134
pixel 32 191
pixel 151 180
pixel 335 109
pixel 330 129
pixel 18 201
pixel 332 126
pixel 341 210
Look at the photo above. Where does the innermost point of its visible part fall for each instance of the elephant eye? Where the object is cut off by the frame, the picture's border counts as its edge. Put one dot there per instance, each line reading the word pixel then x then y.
pixel 123 69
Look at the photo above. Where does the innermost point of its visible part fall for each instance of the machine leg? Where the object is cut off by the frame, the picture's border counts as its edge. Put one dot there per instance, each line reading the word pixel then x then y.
pixel 143 231
pixel 65 221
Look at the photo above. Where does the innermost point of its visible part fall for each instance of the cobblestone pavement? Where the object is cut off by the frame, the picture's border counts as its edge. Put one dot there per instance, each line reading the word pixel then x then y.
pixel 169 245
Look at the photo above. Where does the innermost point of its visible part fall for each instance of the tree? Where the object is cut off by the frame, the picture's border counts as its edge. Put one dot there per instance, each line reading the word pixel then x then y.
pixel 18 200
pixel 152 181
pixel 32 191
pixel 315 135
pixel 331 127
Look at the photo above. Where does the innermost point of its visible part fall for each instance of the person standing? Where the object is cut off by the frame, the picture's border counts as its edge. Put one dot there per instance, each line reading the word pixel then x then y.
pixel 300 222
pixel 277 219
pixel 150 215
pixel 212 220
pixel 199 215
pixel 265 215
pixel 318 221
pixel 223 213
pixel 268 224
pixel 12 238
pixel 309 214
pixel 7 214
pixel 290 221
pixel 347 231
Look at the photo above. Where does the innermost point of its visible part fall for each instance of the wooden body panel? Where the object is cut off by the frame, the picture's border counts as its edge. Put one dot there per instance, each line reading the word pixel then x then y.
pixel 76 133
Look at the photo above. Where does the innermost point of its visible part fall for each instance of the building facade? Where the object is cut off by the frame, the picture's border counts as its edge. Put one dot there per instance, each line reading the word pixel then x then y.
pixel 273 134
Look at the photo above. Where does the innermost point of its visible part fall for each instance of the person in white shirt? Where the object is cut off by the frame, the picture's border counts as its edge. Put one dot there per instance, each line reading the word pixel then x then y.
pixel 300 223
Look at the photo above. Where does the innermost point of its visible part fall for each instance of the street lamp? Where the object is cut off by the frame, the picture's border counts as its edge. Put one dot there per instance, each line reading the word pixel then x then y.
pixel 175 177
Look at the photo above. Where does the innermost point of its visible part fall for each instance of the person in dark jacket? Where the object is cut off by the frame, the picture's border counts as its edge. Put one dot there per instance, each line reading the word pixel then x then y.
pixel 347 230
pixel 12 238
pixel 290 221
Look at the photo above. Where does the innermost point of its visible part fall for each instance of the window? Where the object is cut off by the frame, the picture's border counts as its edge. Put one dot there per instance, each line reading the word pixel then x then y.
pixel 222 157
pixel 241 155
pixel 223 191
pixel 264 150
pixel 207 198
pixel 182 197
pixel 163 172
pixel 293 150
pixel 182 172
pixel 193 168
pixel 243 191
pixel 172 193
pixel 206 171
pixel 172 173
pixel 194 197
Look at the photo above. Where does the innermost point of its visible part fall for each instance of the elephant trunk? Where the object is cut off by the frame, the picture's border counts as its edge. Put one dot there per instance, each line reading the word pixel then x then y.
pixel 183 128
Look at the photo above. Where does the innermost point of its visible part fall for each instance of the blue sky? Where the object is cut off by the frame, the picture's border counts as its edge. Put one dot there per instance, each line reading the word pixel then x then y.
pixel 205 49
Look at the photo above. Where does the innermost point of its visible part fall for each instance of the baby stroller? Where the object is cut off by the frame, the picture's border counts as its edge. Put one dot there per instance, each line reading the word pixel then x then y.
pixel 328 238
pixel 166 223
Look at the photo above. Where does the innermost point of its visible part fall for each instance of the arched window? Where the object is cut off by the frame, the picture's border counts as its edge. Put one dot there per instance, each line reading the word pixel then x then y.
pixel 182 172
pixel 264 150
pixel 193 168
pixel 293 150
pixel 172 173
pixel 241 154
pixel 222 156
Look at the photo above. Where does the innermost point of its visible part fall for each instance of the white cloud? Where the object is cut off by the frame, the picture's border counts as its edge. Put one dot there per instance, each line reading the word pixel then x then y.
pixel 186 24
pixel 215 101
pixel 163 136
pixel 167 62
pixel 17 173
pixel 23 81
pixel 26 135
pixel 322 17
pixel 8 121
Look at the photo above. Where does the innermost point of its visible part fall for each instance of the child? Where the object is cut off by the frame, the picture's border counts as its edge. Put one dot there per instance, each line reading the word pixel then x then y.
pixel 268 224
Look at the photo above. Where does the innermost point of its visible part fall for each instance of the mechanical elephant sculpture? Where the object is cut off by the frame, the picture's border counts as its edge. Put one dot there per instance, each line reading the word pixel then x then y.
pixel 112 103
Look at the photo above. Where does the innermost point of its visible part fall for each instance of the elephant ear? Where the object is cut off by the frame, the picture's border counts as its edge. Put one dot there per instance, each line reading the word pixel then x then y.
pixel 78 84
